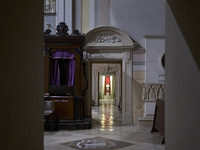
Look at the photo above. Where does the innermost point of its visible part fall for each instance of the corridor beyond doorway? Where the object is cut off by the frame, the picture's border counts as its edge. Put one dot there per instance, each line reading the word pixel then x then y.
pixel 106 81
pixel 106 115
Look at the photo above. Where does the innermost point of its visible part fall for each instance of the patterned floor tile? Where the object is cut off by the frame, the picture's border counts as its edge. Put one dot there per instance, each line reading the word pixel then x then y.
pixel 97 143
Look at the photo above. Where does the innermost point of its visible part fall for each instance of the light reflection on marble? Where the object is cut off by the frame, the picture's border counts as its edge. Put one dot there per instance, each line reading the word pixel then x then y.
pixel 106 124
pixel 106 109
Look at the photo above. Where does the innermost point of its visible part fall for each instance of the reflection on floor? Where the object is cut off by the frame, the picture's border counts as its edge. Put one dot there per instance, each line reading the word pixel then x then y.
pixel 107 133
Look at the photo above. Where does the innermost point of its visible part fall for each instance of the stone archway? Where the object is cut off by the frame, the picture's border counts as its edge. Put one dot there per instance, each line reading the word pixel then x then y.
pixel 107 43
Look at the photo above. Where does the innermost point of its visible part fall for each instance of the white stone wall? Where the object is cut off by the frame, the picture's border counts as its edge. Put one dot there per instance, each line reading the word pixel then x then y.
pixel 49 19
pixel 138 18
pixel 155 49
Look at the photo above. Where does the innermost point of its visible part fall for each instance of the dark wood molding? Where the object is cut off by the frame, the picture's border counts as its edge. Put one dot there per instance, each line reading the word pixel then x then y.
pixel 47 50
pixel 62 29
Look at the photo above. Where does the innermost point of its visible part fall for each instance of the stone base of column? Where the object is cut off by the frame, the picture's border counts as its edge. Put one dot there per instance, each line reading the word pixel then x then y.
pixel 148 118
pixel 146 121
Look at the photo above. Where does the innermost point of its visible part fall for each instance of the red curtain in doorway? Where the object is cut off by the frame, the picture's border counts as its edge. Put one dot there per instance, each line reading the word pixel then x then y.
pixel 107 84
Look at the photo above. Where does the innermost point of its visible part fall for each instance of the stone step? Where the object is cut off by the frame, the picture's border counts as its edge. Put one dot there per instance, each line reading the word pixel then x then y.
pixel 108 97
pixel 146 121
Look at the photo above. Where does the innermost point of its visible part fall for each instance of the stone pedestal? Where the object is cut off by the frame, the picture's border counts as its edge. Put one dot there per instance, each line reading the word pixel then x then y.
pixel 150 93
pixel 149 114
pixel 146 121
pixel 149 108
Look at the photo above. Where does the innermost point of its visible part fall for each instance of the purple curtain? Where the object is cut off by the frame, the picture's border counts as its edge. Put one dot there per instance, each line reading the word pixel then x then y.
pixel 71 72
pixel 55 74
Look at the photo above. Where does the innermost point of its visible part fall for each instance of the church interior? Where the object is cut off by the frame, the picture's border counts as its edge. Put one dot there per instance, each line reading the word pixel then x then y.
pixel 119 74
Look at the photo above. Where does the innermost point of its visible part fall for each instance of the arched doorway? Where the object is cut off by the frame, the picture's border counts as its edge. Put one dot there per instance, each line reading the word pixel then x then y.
pixel 107 43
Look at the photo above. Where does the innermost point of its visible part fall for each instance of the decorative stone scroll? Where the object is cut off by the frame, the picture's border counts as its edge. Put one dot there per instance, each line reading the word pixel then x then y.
pixel 49 6
pixel 107 38
pixel 107 69
pixel 153 91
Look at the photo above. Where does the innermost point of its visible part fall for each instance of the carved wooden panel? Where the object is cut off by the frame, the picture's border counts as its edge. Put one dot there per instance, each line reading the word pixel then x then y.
pixel 64 109
pixel 78 108
pixel 84 81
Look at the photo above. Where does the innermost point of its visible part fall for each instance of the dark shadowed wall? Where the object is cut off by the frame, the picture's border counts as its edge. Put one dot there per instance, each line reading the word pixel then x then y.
pixel 21 75
pixel 182 75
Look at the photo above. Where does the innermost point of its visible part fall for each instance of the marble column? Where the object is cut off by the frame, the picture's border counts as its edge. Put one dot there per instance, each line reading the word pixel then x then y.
pixel 69 11
pixel 127 96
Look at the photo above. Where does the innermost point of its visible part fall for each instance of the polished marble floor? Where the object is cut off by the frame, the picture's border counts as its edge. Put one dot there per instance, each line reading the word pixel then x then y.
pixel 107 133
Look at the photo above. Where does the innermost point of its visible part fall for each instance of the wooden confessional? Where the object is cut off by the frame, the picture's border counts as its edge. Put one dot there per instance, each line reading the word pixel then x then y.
pixel 64 77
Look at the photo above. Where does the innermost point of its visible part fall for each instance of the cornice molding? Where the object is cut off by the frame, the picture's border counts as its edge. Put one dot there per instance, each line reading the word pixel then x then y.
pixel 154 37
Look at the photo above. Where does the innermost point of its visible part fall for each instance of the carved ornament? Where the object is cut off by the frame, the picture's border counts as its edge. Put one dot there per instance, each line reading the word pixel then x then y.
pixel 62 29
pixel 78 51
pixel 107 69
pixel 84 84
pixel 49 6
pixel 76 32
pixel 153 91
pixel 107 38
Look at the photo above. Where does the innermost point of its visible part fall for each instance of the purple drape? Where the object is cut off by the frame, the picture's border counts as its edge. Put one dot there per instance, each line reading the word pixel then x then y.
pixel 55 74
pixel 71 72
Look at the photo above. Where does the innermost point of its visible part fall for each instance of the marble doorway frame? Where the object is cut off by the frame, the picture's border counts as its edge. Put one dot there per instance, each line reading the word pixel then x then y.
pixel 108 43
